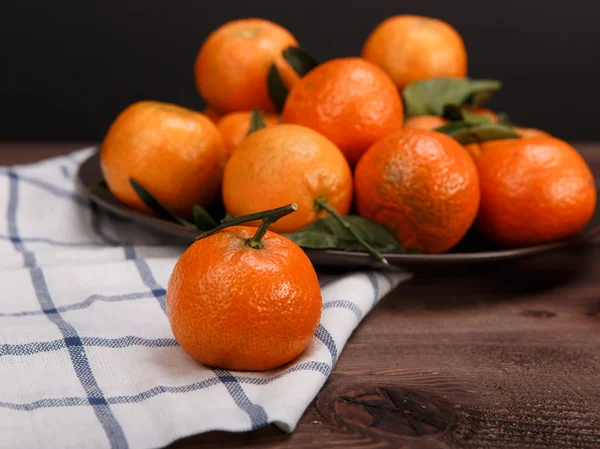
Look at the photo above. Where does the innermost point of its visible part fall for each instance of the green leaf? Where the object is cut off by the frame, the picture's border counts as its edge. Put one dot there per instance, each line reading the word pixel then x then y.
pixel 453 112
pixel 328 233
pixel 465 132
pixel 257 121
pixel 432 95
pixel 481 97
pixel 277 90
pixel 155 205
pixel 202 219
pixel 314 239
pixel 301 60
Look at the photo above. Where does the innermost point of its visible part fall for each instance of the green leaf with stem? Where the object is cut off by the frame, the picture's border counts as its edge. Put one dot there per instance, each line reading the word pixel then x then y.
pixel 453 112
pixel 328 233
pixel 278 92
pixel 202 219
pixel 301 60
pixel 466 133
pixel 156 206
pixel 321 203
pixel 431 96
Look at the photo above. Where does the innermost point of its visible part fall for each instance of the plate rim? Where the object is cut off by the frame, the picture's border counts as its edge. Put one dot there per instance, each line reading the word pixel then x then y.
pixel 465 257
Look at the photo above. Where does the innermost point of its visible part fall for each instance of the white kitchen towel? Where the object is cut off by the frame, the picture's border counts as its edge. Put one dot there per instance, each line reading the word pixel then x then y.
pixel 87 356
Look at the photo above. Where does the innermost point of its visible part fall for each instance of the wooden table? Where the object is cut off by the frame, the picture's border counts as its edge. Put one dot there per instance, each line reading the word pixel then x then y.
pixel 508 356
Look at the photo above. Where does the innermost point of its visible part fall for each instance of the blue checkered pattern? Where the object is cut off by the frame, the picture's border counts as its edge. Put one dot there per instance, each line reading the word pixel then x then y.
pixel 87 357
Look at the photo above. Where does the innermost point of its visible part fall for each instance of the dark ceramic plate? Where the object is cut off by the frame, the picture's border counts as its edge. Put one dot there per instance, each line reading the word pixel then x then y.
pixel 473 249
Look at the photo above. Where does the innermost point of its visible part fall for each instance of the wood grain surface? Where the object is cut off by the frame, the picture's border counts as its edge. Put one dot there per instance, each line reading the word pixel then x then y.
pixel 508 357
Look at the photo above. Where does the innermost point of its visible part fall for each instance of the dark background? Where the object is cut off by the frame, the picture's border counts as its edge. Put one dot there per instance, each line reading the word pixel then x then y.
pixel 69 67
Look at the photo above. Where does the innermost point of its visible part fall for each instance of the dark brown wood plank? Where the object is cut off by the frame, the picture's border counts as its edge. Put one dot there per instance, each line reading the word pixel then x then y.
pixel 507 356
pixel 23 153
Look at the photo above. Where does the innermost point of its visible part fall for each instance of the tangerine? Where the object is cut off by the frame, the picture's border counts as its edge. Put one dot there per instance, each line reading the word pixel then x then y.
pixel 411 48
pixel 287 164
pixel 422 186
pixel 427 122
pixel 232 64
pixel 174 153
pixel 533 191
pixel 235 125
pixel 350 101
pixel 531 132
pixel 242 307
pixel 484 111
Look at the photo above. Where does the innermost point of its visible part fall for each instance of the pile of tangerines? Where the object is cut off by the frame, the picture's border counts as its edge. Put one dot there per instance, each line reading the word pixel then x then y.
pixel 400 133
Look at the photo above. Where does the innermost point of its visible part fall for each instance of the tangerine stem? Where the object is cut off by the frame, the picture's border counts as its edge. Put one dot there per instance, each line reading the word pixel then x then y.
pixel 255 240
pixel 270 216
pixel 321 203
